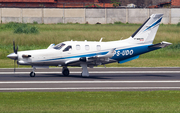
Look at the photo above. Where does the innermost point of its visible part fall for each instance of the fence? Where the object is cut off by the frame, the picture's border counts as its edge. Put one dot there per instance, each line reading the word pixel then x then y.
pixel 83 15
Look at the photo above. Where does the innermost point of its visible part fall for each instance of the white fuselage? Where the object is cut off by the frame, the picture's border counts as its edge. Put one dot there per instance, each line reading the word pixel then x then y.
pixel 79 49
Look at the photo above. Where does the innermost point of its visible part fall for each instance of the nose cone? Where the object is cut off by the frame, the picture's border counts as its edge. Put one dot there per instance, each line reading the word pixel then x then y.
pixel 13 56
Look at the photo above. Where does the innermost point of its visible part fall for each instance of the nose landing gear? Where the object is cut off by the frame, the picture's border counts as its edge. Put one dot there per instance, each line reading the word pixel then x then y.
pixel 32 74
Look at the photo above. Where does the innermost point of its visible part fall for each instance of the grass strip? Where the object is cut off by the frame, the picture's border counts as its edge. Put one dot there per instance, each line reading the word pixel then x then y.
pixel 92 102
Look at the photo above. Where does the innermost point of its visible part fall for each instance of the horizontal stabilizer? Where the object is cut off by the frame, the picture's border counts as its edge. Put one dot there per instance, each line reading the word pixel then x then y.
pixel 160 45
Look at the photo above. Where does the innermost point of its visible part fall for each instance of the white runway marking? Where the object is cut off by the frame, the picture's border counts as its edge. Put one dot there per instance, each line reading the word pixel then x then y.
pixel 92 88
pixel 82 82
pixel 86 88
pixel 98 72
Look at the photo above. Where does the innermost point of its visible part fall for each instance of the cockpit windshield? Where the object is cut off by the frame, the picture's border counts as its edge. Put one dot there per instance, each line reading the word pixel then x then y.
pixel 59 46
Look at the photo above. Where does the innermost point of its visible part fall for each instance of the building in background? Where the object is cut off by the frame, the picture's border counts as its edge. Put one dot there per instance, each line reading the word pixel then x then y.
pixel 56 3
pixel 175 3
pixel 144 3
pixel 88 3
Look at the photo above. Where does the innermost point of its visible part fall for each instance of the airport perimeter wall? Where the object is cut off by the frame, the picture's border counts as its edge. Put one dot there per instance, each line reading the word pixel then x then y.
pixel 83 15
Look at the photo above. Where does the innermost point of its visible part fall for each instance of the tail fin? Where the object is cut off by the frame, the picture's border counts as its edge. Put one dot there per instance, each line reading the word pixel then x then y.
pixel 146 33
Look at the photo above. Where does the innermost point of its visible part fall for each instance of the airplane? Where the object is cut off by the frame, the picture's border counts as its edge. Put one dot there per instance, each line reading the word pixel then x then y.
pixel 89 54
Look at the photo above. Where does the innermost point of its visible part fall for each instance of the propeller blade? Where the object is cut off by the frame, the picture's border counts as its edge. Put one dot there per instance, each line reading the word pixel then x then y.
pixel 14 55
pixel 14 66
pixel 16 50
pixel 14 46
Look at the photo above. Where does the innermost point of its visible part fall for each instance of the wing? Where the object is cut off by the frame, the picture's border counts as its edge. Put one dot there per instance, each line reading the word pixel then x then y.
pixel 93 60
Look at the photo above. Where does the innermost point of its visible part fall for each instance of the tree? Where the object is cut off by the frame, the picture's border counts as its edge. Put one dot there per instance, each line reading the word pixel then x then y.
pixel 115 3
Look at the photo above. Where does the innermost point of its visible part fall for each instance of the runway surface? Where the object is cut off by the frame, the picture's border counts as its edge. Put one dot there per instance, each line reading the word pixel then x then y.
pixel 101 79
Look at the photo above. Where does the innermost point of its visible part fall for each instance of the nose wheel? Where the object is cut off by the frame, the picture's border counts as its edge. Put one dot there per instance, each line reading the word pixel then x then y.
pixel 32 74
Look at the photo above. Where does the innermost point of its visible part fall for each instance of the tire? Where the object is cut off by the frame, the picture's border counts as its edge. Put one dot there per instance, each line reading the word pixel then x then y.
pixel 66 72
pixel 32 74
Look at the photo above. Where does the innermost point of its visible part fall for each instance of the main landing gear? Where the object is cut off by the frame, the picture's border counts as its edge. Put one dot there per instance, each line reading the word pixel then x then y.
pixel 85 73
pixel 65 71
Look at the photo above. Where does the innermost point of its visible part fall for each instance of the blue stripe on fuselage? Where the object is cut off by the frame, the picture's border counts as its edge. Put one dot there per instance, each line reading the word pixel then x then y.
pixel 120 54
pixel 78 56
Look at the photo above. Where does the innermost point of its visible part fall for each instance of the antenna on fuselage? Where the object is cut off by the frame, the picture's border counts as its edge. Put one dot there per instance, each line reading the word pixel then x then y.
pixel 101 39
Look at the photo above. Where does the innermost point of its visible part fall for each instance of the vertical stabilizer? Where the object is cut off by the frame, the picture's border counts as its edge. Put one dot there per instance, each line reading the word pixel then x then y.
pixel 146 33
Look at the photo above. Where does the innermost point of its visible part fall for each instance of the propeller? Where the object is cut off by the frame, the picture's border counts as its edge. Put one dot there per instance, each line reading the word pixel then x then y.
pixel 16 56
pixel 15 48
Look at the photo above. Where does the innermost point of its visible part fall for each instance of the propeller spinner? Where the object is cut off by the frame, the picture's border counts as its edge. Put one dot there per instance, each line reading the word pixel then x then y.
pixel 14 55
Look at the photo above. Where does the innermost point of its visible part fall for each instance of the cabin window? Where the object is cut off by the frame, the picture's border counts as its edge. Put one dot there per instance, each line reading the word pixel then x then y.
pixel 59 46
pixel 98 47
pixel 78 47
pixel 68 48
pixel 87 47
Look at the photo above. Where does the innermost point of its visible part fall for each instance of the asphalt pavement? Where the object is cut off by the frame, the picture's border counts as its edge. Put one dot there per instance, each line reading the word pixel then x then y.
pixel 100 79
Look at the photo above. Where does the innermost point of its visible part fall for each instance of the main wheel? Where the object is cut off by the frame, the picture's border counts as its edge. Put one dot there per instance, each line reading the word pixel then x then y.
pixel 66 72
pixel 32 74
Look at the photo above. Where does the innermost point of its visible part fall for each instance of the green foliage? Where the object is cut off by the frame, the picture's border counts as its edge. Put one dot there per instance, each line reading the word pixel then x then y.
pixel 93 5
pixel 174 46
pixel 21 28
pixel 35 22
pixel 12 25
pixel 115 3
pixel 178 24
pixel 162 24
pixel 89 5
pixel 26 29
pixel 34 29
pixel 118 22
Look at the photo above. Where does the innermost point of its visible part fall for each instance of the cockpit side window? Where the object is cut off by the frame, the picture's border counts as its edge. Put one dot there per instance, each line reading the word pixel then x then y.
pixel 59 46
pixel 68 48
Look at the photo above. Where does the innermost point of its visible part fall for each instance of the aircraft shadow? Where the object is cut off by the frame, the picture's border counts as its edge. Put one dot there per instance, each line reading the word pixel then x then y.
pixel 107 76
